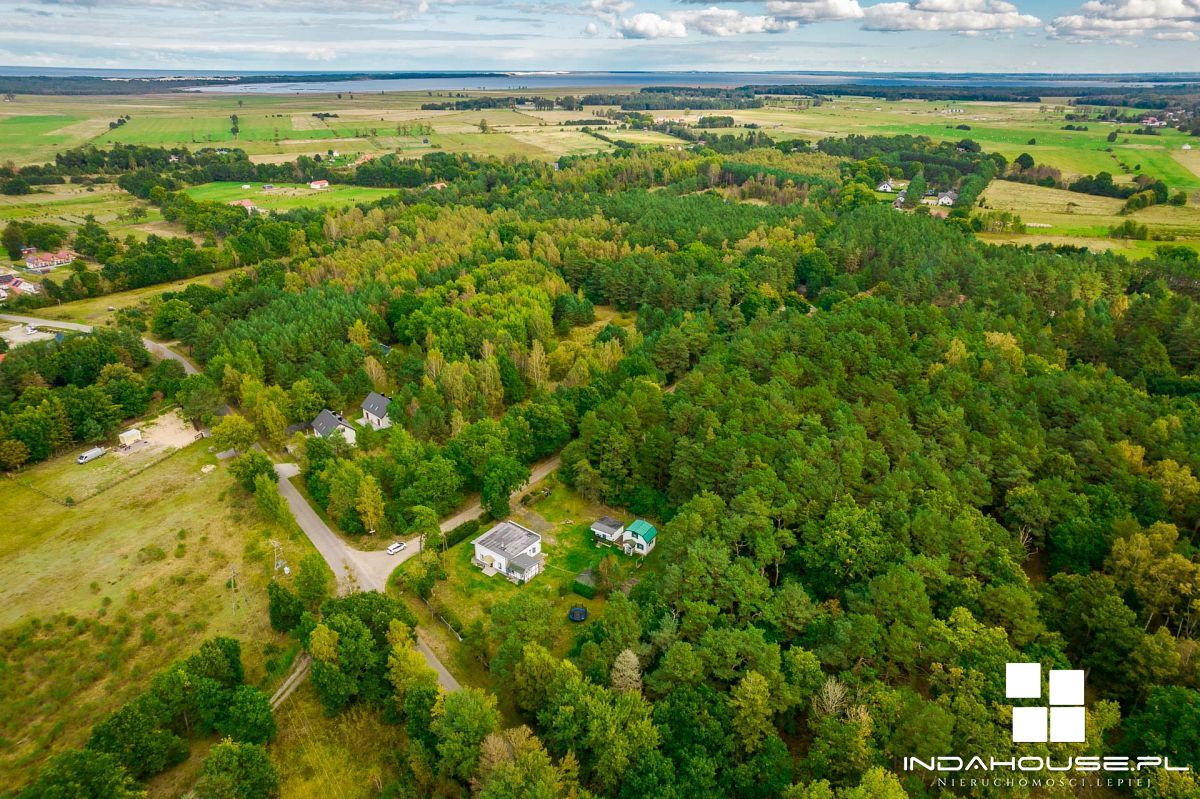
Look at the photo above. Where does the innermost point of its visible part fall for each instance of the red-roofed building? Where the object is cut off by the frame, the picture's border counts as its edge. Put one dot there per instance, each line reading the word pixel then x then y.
pixel 250 207
pixel 44 262
pixel 319 184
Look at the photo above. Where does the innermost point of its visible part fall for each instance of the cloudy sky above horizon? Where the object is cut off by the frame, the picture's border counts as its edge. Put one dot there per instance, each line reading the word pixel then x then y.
pixel 725 35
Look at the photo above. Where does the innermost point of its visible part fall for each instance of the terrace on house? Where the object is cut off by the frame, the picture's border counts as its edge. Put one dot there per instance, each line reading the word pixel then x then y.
pixel 375 411
pixel 328 423
pixel 511 550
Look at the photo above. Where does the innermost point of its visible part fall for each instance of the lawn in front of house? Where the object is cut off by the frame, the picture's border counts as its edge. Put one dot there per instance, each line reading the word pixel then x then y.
pixel 563 518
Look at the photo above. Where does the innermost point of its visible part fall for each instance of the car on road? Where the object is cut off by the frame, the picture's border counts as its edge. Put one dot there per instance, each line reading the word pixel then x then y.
pixel 396 547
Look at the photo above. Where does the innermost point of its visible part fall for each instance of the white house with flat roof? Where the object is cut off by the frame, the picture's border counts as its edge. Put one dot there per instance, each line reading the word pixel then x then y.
pixel 511 550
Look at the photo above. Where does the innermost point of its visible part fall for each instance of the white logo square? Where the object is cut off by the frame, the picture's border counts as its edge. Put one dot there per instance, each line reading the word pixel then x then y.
pixel 1023 681
pixel 1066 687
pixel 1067 725
pixel 1029 725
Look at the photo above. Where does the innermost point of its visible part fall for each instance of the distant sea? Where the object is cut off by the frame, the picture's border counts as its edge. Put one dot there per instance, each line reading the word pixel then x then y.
pixel 517 81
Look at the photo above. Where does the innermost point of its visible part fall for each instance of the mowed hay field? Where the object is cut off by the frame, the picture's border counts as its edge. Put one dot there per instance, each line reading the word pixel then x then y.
pixel 97 598
pixel 280 127
pixel 1085 216
pixel 69 205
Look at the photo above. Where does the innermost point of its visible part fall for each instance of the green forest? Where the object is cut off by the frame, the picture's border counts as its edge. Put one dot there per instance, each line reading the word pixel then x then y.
pixel 888 459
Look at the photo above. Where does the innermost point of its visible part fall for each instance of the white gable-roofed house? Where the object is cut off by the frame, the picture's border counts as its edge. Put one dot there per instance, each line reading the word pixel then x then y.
pixel 608 530
pixel 375 411
pixel 511 550
pixel 329 423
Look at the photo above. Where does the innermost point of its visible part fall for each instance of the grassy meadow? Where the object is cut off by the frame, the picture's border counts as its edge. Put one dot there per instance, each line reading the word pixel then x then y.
pixel 98 597
pixel 280 127
pixel 285 196
pixel 1060 216
pixel 68 205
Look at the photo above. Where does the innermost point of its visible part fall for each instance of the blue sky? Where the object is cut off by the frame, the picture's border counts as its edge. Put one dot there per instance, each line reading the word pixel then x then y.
pixel 872 35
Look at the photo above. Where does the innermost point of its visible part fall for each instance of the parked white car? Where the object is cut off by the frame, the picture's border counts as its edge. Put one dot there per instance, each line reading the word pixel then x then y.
pixel 396 547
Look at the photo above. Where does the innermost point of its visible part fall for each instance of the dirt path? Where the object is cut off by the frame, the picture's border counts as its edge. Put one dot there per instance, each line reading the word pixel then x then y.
pixel 294 680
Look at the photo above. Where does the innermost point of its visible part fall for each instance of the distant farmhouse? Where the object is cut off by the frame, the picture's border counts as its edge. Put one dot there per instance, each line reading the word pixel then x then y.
pixel 887 186
pixel 250 207
pixel 947 197
pixel 328 423
pixel 375 411
pixel 44 262
pixel 511 550
pixel 319 184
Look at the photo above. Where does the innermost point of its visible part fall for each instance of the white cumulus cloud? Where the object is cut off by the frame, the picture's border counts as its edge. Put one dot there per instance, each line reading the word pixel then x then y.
pixel 815 10
pixel 1113 19
pixel 960 16
pixel 711 21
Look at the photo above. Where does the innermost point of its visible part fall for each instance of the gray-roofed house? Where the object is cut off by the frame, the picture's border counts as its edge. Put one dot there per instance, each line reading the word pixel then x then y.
pixel 375 411
pixel 608 529
pixel 947 197
pixel 511 550
pixel 328 423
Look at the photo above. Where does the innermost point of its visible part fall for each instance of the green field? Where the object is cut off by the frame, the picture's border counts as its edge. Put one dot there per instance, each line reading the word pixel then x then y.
pixel 102 310
pixel 286 196
pixel 100 596
pixel 1084 219
pixel 1005 128
pixel 280 127
pixel 69 204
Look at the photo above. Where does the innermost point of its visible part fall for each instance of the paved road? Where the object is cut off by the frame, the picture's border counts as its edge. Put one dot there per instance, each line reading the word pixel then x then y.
pixel 354 568
pixel 160 350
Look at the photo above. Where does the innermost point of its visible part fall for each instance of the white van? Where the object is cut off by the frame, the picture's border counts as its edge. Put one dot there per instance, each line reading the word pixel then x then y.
pixel 396 547
pixel 91 455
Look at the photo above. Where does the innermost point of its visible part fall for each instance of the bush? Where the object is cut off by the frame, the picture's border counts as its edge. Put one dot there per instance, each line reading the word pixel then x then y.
pixel 462 533
pixel 584 590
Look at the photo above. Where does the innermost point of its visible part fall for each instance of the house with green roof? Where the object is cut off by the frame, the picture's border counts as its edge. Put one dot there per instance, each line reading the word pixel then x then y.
pixel 640 538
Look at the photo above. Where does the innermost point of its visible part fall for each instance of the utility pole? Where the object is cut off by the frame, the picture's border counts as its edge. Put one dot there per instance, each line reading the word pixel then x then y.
pixel 277 555
pixel 233 586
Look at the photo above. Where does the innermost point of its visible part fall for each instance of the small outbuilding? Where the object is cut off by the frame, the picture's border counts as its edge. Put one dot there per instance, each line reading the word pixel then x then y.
pixel 130 436
pixel 608 530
